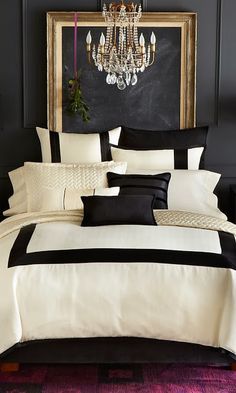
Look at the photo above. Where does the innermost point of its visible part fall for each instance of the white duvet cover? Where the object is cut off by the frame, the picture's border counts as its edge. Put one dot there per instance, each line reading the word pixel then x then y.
pixel 175 281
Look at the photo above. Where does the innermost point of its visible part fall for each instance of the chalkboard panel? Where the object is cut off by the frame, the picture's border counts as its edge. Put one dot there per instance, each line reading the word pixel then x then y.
pixel 163 98
pixel 153 103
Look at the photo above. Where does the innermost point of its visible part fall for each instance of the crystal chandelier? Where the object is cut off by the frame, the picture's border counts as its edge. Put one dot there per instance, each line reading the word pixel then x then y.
pixel 122 53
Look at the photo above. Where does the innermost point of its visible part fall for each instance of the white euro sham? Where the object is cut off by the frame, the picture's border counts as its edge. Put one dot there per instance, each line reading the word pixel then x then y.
pixel 77 148
pixel 190 190
pixel 155 159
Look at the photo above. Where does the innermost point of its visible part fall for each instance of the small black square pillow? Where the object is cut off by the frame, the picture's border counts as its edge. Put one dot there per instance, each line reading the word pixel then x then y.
pixel 156 185
pixel 118 210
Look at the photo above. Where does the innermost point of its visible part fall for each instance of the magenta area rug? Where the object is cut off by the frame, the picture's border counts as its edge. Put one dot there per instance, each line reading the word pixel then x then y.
pixel 148 378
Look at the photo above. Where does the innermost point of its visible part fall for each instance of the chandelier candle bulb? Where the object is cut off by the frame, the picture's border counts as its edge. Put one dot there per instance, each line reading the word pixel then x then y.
pixel 153 42
pixel 89 38
pixel 102 39
pixel 121 52
pixel 153 39
pixel 88 44
pixel 142 40
pixel 102 44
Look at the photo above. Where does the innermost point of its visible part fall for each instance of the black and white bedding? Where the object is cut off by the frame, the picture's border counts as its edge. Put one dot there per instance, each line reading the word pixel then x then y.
pixel 175 281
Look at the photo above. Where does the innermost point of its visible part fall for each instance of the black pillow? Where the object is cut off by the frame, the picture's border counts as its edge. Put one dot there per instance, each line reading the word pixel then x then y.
pixel 156 185
pixel 178 140
pixel 118 210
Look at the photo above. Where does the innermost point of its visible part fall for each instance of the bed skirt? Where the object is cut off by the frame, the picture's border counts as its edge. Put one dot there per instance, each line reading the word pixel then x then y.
pixel 114 350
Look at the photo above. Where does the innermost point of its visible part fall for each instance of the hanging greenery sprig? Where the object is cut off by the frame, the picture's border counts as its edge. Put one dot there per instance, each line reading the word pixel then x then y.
pixel 76 102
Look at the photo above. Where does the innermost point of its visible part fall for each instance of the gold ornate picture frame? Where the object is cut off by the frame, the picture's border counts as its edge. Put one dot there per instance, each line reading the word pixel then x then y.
pixel 186 23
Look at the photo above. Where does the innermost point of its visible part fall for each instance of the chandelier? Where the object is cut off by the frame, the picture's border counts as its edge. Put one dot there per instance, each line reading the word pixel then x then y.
pixel 122 54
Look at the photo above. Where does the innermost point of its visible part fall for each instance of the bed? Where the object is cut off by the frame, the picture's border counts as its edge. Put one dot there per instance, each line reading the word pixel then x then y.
pixel 77 287
pixel 56 275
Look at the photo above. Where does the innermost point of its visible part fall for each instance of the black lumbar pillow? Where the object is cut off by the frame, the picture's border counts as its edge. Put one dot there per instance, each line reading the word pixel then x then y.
pixel 156 185
pixel 178 140
pixel 169 139
pixel 118 210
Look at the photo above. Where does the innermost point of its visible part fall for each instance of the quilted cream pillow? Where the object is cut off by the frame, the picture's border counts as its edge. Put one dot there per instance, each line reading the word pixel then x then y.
pixel 57 199
pixel 39 176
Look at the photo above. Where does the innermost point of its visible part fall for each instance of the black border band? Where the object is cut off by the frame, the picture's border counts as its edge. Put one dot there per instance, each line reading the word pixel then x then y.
pixel 19 249
pixel 55 146
pixel 20 257
pixel 181 159
pixel 105 146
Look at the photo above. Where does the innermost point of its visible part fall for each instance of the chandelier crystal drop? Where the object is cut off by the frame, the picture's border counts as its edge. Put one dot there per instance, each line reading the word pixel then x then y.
pixel 122 53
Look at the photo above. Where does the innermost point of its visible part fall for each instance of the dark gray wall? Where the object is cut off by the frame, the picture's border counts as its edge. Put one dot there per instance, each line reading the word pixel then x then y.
pixel 23 79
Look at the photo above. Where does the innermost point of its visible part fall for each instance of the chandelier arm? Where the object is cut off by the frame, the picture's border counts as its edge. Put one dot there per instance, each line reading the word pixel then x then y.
pixel 89 53
pixel 153 59
pixel 143 53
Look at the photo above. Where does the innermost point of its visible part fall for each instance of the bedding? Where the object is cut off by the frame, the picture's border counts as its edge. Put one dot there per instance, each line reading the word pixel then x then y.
pixel 137 158
pixel 56 199
pixel 118 210
pixel 18 200
pixel 188 190
pixel 191 191
pixel 174 281
pixel 79 148
pixel 142 185
pixel 30 181
pixel 179 141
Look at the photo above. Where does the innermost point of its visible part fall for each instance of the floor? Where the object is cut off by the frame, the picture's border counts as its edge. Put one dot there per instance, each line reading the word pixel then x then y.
pixel 151 378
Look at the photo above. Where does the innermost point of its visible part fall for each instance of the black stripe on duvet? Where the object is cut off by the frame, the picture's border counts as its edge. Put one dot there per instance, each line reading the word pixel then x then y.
pixel 19 249
pixel 20 257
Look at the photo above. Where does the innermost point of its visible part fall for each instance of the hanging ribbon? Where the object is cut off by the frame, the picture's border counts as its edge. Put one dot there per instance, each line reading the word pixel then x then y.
pixel 75 45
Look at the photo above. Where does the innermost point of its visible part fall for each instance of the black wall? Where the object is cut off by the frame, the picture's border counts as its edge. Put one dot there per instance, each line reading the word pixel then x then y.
pixel 23 79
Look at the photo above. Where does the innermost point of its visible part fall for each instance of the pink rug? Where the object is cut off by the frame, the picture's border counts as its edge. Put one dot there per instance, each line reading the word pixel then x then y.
pixel 152 378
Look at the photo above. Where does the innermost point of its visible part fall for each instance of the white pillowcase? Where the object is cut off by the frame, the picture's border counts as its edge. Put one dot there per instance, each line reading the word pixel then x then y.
pixel 191 191
pixel 30 180
pixel 18 201
pixel 67 199
pixel 69 147
pixel 155 159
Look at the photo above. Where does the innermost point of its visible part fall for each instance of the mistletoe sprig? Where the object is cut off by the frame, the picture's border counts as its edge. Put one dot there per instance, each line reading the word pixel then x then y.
pixel 76 102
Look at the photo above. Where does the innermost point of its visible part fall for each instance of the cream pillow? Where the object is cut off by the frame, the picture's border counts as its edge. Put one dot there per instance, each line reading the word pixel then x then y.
pixel 66 147
pixel 191 190
pixel 66 199
pixel 163 159
pixel 18 201
pixel 33 177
